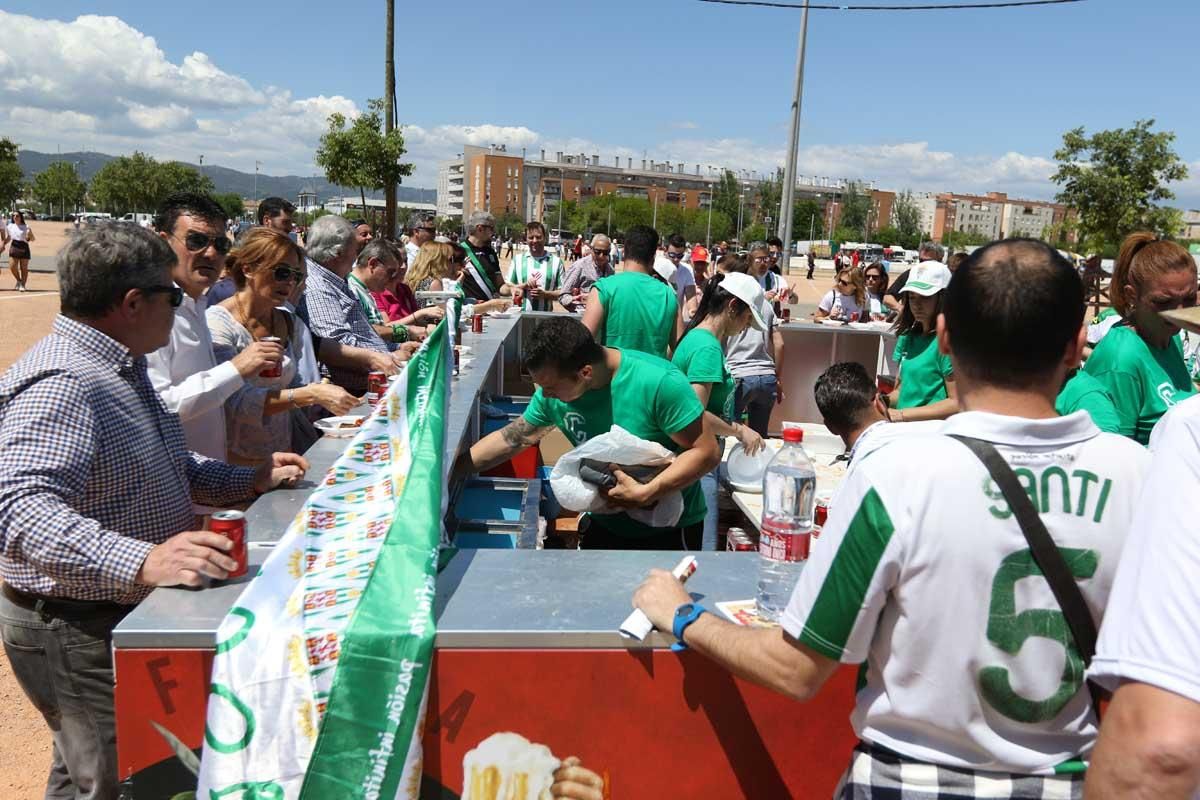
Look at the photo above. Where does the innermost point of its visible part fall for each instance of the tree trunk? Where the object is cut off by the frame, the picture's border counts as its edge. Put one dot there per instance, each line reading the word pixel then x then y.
pixel 389 116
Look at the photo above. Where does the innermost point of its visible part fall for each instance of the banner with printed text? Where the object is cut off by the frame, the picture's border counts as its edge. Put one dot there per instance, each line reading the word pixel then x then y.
pixel 321 668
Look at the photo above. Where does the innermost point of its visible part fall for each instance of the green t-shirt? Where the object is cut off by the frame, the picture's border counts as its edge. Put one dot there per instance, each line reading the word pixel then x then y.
pixel 648 397
pixel 1143 381
pixel 1082 392
pixel 699 356
pixel 639 312
pixel 922 370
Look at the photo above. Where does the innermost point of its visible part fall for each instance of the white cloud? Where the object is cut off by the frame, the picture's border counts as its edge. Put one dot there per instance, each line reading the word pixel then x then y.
pixel 98 83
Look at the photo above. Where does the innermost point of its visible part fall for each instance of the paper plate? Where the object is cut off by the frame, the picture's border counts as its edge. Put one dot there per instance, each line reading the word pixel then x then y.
pixel 340 427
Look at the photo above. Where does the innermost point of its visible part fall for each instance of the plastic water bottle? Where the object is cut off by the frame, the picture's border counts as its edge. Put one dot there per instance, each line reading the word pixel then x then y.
pixel 789 494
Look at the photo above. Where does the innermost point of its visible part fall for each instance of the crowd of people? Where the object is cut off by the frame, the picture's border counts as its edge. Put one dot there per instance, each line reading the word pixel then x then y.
pixel 187 367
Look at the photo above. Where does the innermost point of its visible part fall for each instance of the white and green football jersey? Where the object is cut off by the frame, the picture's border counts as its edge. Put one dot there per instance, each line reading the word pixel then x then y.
pixel 922 573
pixel 550 274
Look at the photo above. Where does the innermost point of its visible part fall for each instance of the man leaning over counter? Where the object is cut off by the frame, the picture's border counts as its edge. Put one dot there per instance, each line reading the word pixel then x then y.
pixel 584 389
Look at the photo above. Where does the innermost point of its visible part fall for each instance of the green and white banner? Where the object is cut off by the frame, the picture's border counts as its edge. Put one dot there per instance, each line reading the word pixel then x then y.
pixel 321 669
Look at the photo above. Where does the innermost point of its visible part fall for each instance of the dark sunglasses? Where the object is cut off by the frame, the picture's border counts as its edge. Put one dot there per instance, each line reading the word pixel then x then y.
pixel 175 294
pixel 674 256
pixel 197 242
pixel 284 273
pixel 874 277
pixel 598 252
pixel 844 283
pixel 427 230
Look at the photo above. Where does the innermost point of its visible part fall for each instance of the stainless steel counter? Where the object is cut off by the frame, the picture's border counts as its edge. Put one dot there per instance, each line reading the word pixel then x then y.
pixel 521 599
pixel 268 518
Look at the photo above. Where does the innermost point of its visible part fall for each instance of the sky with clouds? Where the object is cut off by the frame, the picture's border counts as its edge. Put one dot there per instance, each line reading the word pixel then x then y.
pixel 947 101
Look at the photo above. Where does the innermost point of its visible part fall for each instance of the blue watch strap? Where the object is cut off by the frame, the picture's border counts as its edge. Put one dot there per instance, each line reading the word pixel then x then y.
pixel 685 615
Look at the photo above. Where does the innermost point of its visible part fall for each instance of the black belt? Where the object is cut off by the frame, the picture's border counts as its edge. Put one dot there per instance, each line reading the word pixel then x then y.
pixel 61 606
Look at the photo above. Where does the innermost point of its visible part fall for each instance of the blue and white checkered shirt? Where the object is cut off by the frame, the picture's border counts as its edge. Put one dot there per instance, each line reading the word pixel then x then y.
pixel 331 311
pixel 93 469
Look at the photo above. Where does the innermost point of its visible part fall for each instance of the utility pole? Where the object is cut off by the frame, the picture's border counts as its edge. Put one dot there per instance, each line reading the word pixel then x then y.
pixel 655 223
pixel 257 164
pixel 789 172
pixel 202 165
pixel 389 122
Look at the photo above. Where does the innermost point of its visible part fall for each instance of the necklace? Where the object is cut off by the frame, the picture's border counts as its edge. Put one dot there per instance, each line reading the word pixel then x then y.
pixel 249 322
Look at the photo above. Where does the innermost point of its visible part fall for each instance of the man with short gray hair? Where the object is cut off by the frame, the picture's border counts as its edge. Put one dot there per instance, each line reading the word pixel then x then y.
pixel 96 492
pixel 421 230
pixel 930 251
pixel 585 272
pixel 482 278
pixel 329 307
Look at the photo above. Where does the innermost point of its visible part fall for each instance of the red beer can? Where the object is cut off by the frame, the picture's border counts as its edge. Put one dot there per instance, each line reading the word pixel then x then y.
pixel 276 370
pixel 885 383
pixel 477 323
pixel 821 511
pixel 736 539
pixel 376 387
pixel 516 296
pixel 232 525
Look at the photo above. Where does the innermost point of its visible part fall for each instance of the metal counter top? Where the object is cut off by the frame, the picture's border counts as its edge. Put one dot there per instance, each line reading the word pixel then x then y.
pixel 268 518
pixel 543 599
pixel 812 326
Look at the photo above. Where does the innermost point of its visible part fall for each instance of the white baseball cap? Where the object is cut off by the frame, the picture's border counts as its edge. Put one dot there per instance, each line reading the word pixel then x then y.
pixel 665 267
pixel 746 289
pixel 928 278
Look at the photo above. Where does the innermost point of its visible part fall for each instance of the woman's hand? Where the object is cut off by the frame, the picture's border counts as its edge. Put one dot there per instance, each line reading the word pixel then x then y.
pixel 430 315
pixel 333 398
pixel 750 439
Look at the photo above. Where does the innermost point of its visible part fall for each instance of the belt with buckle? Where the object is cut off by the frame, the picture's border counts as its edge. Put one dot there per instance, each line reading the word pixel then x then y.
pixel 61 606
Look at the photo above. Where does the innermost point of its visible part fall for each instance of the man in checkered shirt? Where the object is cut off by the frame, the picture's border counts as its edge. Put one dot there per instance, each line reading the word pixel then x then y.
pixel 971 682
pixel 96 493
pixel 329 307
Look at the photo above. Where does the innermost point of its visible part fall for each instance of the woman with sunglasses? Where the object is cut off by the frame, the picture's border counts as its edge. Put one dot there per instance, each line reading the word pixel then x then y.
pixel 846 301
pixel 20 235
pixel 437 268
pixel 875 278
pixel 926 379
pixel 1140 361
pixel 266 266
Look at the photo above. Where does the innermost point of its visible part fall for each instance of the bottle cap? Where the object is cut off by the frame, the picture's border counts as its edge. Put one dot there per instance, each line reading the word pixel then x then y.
pixel 793 434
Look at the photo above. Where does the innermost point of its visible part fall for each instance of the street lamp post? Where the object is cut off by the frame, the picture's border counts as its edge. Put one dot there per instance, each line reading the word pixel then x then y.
pixel 741 202
pixel 789 172
pixel 257 164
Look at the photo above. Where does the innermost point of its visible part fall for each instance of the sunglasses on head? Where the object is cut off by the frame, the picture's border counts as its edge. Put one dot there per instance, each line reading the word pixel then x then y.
pixel 283 273
pixel 174 293
pixel 197 242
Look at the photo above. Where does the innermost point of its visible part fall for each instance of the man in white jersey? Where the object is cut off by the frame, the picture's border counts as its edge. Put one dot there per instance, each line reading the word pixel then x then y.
pixel 536 274
pixel 973 686
pixel 1150 642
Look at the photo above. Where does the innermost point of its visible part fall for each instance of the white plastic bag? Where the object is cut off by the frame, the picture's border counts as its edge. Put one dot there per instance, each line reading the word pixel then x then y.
pixel 618 446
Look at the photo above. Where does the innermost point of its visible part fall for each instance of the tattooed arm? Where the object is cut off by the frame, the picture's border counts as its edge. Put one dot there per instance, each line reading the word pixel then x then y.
pixel 499 446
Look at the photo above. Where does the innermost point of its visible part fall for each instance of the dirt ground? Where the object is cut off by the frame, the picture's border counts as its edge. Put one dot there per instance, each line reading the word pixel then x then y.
pixel 25 744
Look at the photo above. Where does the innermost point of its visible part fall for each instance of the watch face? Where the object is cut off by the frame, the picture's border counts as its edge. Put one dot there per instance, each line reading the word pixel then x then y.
pixel 684 610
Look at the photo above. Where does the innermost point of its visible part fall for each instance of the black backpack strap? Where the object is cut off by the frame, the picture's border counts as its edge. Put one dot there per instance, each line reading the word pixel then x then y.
pixel 1045 553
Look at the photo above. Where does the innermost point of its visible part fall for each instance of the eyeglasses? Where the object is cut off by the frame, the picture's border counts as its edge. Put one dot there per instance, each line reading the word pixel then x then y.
pixel 674 256
pixel 874 277
pixel 175 294
pixel 427 230
pixel 197 242
pixel 843 283
pixel 759 259
pixel 285 273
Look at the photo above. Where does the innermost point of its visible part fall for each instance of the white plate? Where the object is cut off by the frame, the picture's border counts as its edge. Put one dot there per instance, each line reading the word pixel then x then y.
pixel 512 312
pixel 331 426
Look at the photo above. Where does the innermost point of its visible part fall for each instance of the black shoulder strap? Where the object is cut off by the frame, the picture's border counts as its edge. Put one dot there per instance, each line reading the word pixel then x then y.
pixel 1045 553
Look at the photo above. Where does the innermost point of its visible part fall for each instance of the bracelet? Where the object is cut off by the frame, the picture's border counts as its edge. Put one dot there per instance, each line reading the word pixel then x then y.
pixel 399 333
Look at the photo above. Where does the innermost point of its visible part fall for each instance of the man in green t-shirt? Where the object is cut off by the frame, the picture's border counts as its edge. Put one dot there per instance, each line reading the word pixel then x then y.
pixel 635 309
pixel 584 389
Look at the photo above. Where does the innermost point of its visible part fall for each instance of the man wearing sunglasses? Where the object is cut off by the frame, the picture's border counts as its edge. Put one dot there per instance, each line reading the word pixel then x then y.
pixel 421 229
pixel 185 372
pixel 482 278
pixel 684 280
pixel 585 272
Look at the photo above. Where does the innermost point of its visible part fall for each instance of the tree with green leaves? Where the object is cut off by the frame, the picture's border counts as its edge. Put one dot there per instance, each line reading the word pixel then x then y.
pixel 727 195
pixel 856 208
pixel 139 183
pixel 1118 180
pixel 59 185
pixel 906 216
pixel 11 176
pixel 807 220
pixel 232 203
pixel 362 154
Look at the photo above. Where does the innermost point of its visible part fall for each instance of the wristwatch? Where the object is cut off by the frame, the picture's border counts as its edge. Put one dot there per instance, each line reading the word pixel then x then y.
pixel 685 615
